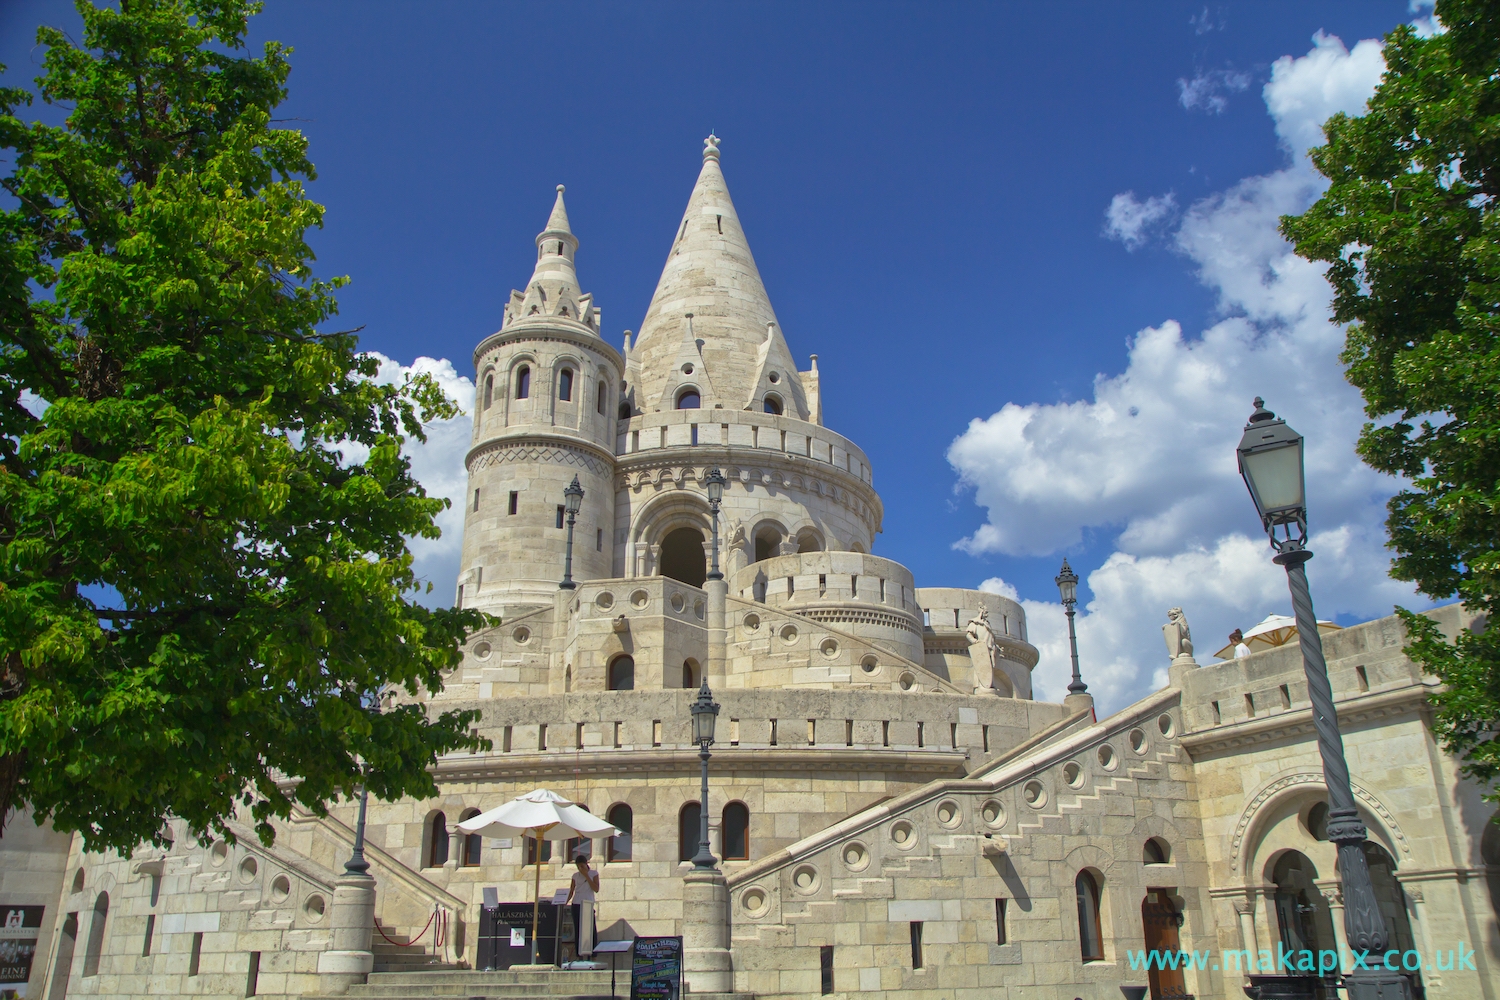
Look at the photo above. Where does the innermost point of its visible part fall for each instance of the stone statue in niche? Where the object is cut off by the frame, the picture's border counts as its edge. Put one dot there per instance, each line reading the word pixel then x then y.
pixel 982 651
pixel 1179 637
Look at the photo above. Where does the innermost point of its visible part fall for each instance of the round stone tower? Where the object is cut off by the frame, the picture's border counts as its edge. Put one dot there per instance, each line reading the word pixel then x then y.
pixel 546 401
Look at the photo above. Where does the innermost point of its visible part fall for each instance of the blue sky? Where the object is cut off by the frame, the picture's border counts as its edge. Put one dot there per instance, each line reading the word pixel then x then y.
pixel 956 206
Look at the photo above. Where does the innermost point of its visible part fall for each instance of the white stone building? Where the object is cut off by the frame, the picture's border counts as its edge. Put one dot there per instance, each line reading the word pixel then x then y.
pixel 895 814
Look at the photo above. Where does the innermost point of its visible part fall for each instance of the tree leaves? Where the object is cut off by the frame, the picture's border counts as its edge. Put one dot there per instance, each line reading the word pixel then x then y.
pixel 199 594
pixel 1409 230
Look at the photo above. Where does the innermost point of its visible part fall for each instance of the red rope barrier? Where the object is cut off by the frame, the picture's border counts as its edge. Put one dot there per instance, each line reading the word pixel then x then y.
pixel 402 944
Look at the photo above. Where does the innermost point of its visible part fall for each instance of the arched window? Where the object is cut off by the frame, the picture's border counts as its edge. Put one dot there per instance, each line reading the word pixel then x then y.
pixel 773 404
pixel 1156 852
pixel 622 674
pixel 489 390
pixel 531 851
pixel 437 841
pixel 1303 916
pixel 808 541
pixel 689 399
pixel 736 832
pixel 767 545
pixel 603 399
pixel 621 818
pixel 578 845
pixel 682 556
pixel 95 946
pixel 689 829
pixel 1090 934
pixel 565 385
pixel 473 843
pixel 523 382
pixel 689 674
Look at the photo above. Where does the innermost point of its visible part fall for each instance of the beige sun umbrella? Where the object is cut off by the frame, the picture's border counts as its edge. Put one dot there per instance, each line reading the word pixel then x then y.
pixel 541 815
pixel 1275 630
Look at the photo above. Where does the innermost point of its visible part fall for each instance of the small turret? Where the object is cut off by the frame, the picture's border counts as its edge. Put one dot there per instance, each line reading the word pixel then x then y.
pixel 553 291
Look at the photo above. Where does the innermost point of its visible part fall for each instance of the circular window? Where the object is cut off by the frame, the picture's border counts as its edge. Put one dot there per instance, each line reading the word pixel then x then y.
pixel 774 377
pixel 1137 741
pixel 249 868
pixel 993 813
pixel 829 647
pixel 1166 726
pixel 314 907
pixel 948 815
pixel 752 621
pixel 1035 794
pixel 788 634
pixel 1107 759
pixel 281 888
pixel 639 599
pixel 522 635
pixel 805 880
pixel 604 601
pixel 678 603
pixel 908 681
pixel 856 856
pixel 687 369
pixel 1073 774
pixel 698 609
pixel 755 901
pixel 219 853
pixel 903 836
pixel 869 664
pixel 482 651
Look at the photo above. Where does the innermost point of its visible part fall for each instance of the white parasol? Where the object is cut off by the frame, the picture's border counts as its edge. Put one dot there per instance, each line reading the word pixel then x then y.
pixel 1275 630
pixel 540 815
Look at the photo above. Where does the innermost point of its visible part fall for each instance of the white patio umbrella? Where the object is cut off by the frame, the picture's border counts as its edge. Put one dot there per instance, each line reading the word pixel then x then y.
pixel 1273 631
pixel 541 815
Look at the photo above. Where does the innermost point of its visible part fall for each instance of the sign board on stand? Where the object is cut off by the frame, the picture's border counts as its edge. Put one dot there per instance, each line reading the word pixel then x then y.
pixel 19 928
pixel 656 969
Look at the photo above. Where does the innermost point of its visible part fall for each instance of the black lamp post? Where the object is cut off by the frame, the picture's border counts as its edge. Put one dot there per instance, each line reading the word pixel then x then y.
pixel 705 715
pixel 1067 586
pixel 1270 459
pixel 572 500
pixel 357 865
pixel 715 484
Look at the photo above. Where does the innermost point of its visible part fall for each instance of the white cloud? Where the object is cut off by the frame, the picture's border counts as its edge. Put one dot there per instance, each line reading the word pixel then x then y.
pixel 995 585
pixel 1132 221
pixel 1209 91
pixel 438 465
pixel 1149 459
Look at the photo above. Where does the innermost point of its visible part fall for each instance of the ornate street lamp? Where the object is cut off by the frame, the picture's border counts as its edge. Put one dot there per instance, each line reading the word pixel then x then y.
pixel 715 484
pixel 705 715
pixel 357 865
pixel 1270 459
pixel 1067 586
pixel 572 500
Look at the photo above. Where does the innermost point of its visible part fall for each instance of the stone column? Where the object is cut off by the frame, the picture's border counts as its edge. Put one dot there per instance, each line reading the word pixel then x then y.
pixel 705 932
pixel 348 960
pixel 1333 892
pixel 716 668
pixel 1432 978
pixel 1244 909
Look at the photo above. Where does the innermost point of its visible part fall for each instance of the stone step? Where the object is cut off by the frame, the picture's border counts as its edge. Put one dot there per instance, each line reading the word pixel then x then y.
pixel 583 981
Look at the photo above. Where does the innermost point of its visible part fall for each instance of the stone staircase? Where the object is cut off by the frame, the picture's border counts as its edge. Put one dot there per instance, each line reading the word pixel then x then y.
pixel 407 958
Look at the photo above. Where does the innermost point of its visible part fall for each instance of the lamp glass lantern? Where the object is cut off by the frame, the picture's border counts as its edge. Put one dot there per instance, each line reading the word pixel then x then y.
pixel 705 716
pixel 1067 584
pixel 715 483
pixel 1271 462
pixel 573 498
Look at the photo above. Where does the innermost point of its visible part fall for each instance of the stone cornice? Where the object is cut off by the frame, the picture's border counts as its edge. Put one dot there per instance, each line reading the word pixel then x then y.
pixel 555 328
pixel 532 439
pixel 525 767
pixel 1298 724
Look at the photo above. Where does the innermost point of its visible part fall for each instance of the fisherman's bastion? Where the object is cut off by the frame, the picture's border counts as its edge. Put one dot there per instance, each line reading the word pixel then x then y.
pixel 893 813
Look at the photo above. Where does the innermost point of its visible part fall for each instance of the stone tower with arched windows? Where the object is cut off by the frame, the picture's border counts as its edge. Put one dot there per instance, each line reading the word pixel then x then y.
pixel 545 412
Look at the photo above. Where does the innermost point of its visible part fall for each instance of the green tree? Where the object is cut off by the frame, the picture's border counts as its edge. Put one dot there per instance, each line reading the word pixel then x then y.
pixel 204 577
pixel 1409 231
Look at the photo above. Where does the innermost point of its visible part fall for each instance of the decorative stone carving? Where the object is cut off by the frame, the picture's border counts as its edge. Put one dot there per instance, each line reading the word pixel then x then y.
pixel 982 650
pixel 1179 637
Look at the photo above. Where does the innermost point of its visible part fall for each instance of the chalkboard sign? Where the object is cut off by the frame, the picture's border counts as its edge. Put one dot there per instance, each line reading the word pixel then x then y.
pixel 656 969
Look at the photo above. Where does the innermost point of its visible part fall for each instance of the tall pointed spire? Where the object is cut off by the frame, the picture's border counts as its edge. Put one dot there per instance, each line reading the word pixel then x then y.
pixel 553 289
pixel 711 274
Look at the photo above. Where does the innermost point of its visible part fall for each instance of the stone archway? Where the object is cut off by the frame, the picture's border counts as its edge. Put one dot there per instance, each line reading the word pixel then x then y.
pixel 682 557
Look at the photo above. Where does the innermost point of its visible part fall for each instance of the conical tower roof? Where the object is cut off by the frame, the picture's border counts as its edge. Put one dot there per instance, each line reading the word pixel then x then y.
pixel 711 275
pixel 552 293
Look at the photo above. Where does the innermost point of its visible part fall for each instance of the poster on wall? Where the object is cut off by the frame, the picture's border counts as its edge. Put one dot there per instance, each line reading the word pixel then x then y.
pixel 656 969
pixel 19 928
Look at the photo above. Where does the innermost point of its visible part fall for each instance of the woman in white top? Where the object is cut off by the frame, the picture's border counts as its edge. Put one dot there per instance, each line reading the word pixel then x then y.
pixel 583 891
